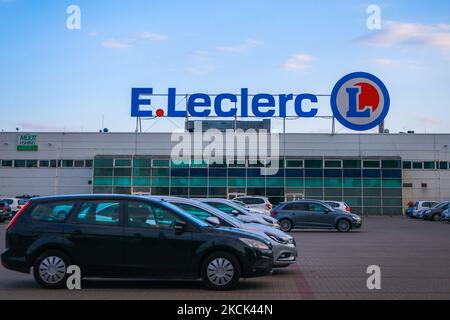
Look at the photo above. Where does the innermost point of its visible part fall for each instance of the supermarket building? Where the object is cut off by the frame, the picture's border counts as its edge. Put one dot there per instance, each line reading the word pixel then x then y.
pixel 376 174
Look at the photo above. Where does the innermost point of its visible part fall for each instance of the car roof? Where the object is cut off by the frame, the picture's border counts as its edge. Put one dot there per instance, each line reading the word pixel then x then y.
pixel 90 197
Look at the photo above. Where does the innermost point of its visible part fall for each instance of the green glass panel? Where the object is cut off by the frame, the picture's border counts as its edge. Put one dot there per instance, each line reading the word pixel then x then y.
pixel 417 165
pixel 333 192
pixel 122 181
pixel 160 181
pixel 352 192
pixel 122 162
pixel 372 183
pixel 392 183
pixel 160 163
pixel 429 165
pixel 333 164
pixel 391 164
pixel 407 164
pixel 294 163
pixel 329 182
pixel 103 172
pixel 314 164
pixel 316 193
pixel 141 182
pixel 352 183
pixel 255 182
pixel 294 182
pixel 236 182
pixel 199 182
pixel 142 162
pixel 179 181
pixel 160 172
pixel 274 182
pixel 371 164
pixel 314 183
pixel 141 172
pixel 103 162
pixel 353 202
pixel 103 181
pixel 372 202
pixel 392 202
pixel 217 182
pixel 179 164
pixel 392 192
pixel 198 164
pixel 122 172
pixel 351 164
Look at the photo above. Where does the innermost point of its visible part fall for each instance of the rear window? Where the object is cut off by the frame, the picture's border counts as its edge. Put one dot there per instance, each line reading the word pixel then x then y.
pixel 299 206
pixel 333 204
pixel 22 202
pixel 52 211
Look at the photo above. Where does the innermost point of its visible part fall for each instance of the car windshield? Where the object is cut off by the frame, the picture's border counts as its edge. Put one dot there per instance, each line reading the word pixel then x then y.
pixel 440 205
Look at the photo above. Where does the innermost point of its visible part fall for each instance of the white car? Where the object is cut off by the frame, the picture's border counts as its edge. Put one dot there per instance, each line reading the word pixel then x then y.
pixel 14 203
pixel 257 203
pixel 338 205
pixel 422 205
pixel 445 215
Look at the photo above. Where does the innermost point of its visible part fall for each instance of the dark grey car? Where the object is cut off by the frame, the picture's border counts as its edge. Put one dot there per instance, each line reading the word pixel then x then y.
pixel 314 214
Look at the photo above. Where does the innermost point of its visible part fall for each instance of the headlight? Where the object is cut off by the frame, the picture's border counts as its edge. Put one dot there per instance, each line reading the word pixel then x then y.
pixel 278 239
pixel 427 212
pixel 255 244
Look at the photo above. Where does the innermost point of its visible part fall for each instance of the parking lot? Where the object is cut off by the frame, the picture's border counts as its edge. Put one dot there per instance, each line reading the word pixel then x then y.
pixel 414 257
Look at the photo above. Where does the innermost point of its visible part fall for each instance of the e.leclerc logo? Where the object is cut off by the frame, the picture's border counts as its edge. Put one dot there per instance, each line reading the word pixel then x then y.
pixel 359 101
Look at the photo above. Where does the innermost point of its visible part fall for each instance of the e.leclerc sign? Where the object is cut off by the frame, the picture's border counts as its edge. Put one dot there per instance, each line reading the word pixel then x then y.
pixel 359 101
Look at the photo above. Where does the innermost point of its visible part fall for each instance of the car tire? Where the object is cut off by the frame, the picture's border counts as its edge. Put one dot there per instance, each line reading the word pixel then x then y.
pixel 285 225
pixel 50 269
pixel 221 271
pixel 436 217
pixel 343 225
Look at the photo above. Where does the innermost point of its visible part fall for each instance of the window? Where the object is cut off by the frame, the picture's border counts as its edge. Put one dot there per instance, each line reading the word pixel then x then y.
pixel 417 165
pixel 294 163
pixel 32 163
pixel 333 163
pixel 315 207
pixel 193 210
pixel 443 165
pixel 429 165
pixel 99 212
pixel 142 215
pixel 371 163
pixel 19 163
pixel 315 164
pixel 296 206
pixel 79 163
pixel 352 164
pixel 160 162
pixel 407 165
pixel 104 162
pixel 7 163
pixel 222 207
pixel 390 164
pixel 44 163
pixel 122 162
pixel 52 211
pixel 67 163
pixel 88 163
pixel 53 163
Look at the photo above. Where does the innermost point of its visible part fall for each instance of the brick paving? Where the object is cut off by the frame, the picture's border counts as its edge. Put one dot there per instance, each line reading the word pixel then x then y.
pixel 414 257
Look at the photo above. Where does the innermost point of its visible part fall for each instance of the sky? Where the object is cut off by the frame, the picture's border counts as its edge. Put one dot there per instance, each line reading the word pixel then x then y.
pixel 53 78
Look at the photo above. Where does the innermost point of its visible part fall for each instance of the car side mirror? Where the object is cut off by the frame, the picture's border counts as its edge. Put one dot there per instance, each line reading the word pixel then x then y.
pixel 179 226
pixel 235 213
pixel 213 220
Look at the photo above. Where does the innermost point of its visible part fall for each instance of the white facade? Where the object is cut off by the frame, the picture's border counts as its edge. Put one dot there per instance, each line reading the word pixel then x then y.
pixel 427 184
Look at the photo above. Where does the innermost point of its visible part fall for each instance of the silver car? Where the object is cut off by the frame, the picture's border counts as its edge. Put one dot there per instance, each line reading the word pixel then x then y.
pixel 284 246
pixel 244 214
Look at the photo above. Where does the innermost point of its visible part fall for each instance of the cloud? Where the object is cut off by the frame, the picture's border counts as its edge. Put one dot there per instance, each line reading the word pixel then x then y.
pixel 394 62
pixel 201 63
pixel 152 36
pixel 115 44
pixel 298 62
pixel 240 48
pixel 436 36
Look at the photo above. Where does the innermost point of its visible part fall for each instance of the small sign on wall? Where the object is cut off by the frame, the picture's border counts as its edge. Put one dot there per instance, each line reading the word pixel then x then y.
pixel 27 142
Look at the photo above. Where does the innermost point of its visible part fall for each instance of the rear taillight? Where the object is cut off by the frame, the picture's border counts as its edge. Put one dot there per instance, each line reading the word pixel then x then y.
pixel 347 208
pixel 14 219
pixel 19 207
pixel 268 206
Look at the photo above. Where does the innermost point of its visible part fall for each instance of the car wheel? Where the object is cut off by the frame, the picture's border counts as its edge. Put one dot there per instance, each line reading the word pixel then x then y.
pixel 50 269
pixel 285 225
pixel 436 217
pixel 343 225
pixel 221 271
